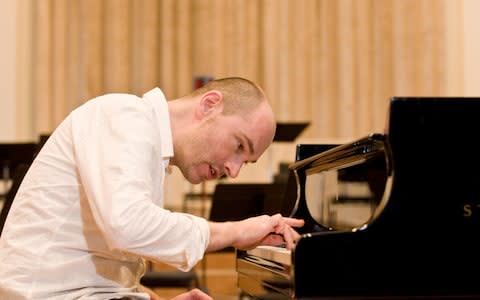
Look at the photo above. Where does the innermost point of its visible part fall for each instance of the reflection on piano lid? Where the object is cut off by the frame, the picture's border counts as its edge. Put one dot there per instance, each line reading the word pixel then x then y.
pixel 392 215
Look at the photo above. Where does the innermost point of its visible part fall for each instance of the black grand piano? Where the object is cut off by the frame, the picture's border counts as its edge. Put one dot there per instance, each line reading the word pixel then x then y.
pixel 393 215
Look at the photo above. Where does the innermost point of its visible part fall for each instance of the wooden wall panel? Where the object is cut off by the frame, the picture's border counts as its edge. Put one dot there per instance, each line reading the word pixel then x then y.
pixel 252 39
pixel 42 67
pixel 283 49
pixel 462 46
pixel 117 45
pixel 145 45
pixel 217 39
pixel 167 57
pixel 381 74
pixel 59 61
pixel 327 83
pixel 76 77
pixel 25 124
pixel 91 18
pixel 270 70
pixel 333 63
pixel 362 60
pixel 182 70
pixel 202 50
pixel 345 65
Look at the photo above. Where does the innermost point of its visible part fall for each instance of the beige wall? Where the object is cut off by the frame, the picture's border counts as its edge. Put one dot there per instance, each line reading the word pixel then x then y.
pixel 16 17
pixel 16 122
pixel 7 70
pixel 472 48
pixel 334 63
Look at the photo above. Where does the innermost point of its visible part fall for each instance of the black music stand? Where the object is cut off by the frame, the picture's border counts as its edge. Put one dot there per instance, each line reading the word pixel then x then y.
pixel 14 154
pixel 289 131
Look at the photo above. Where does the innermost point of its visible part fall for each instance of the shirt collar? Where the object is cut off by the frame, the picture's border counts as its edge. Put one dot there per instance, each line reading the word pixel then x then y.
pixel 160 107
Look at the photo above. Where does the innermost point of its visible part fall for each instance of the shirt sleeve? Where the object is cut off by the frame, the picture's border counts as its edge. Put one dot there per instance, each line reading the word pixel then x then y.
pixel 117 157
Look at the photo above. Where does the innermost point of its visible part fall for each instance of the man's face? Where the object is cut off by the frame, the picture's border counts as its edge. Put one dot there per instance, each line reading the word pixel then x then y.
pixel 222 144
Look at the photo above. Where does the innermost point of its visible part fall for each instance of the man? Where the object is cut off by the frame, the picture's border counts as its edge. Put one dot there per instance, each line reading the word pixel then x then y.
pixel 89 210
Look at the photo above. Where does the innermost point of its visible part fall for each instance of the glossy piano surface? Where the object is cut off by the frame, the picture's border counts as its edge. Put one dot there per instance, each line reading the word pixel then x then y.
pixel 392 215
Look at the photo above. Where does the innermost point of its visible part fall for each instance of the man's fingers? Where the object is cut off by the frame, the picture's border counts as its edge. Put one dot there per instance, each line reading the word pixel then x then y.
pixel 278 218
pixel 294 222
pixel 287 236
pixel 273 240
pixel 283 226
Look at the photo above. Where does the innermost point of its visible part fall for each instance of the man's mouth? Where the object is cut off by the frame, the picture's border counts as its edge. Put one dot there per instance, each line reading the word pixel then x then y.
pixel 213 173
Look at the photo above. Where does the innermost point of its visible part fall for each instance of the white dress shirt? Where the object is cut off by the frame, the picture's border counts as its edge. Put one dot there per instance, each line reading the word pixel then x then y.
pixel 90 208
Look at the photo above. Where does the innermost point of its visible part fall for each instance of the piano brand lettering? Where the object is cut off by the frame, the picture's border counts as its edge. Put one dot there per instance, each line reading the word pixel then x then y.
pixel 469 210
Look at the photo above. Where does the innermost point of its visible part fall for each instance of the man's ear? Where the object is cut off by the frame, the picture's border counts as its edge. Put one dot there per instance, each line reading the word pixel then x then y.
pixel 210 103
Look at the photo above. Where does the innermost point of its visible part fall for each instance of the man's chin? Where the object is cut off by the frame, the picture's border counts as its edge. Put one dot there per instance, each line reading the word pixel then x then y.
pixel 193 179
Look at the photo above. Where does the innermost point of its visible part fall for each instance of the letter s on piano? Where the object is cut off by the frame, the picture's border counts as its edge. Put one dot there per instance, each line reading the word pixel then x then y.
pixel 469 210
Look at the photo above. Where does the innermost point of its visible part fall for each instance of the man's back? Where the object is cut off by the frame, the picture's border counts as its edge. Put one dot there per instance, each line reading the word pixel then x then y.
pixel 61 249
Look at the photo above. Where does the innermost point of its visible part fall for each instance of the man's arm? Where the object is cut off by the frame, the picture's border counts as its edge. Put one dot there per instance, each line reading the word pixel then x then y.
pixel 251 232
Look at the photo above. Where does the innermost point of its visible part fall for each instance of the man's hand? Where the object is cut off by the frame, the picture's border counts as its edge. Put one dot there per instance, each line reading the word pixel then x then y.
pixel 268 230
pixel 249 233
pixel 194 294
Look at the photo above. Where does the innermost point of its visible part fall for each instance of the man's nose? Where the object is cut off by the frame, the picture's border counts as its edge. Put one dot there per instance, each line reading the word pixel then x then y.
pixel 233 168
